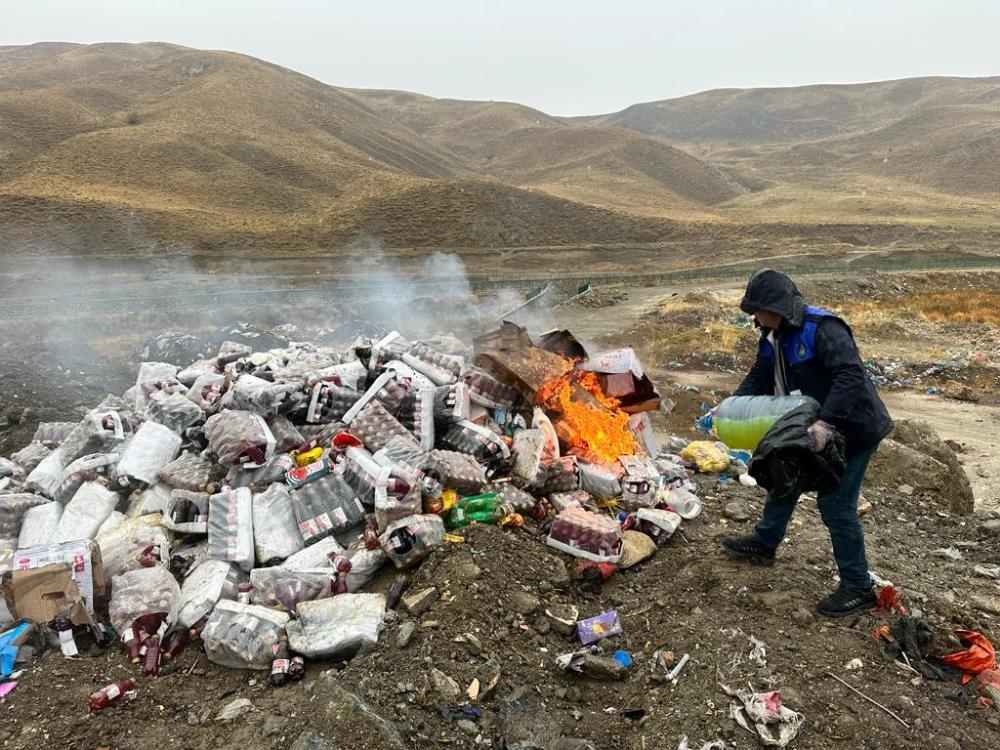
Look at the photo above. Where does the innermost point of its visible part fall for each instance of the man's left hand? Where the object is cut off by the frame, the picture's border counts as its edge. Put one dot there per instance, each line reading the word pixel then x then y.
pixel 820 432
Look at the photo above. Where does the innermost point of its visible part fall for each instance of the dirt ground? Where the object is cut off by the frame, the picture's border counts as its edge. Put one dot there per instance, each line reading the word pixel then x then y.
pixel 498 583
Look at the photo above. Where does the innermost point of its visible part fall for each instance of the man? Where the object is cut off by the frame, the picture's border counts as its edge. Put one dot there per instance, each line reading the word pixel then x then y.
pixel 811 351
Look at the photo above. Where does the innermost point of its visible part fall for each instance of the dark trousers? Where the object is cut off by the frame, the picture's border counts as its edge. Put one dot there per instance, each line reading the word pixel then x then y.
pixel 839 510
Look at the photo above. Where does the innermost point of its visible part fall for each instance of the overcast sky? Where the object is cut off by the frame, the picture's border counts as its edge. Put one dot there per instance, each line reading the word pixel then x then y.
pixel 565 57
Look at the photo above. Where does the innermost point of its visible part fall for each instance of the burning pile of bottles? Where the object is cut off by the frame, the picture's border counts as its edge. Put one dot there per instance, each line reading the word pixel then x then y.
pixel 247 500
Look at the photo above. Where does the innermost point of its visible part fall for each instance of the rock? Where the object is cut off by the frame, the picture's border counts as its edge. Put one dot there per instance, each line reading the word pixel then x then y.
pixel 914 452
pixel 418 602
pixel 563 618
pixel 344 708
pixel 524 603
pixel 803 616
pixel 854 665
pixel 444 684
pixel 467 726
pixel 405 634
pixel 864 506
pixel 736 510
pixel 310 740
pixel 991 526
pixel 905 489
pixel 460 568
pixel 986 603
pixel 273 725
pixel 525 724
pixel 602 668
pixel 234 709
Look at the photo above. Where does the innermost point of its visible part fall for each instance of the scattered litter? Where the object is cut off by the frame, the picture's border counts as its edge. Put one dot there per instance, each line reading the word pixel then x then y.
pixel 763 714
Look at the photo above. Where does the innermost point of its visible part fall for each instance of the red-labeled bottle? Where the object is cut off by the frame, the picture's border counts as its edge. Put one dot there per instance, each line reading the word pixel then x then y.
pixel 131 643
pixel 110 694
pixel 176 642
pixel 280 663
pixel 151 661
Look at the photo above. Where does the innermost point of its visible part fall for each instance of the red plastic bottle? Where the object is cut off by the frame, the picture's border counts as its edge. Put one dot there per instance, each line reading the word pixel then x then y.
pixel 198 627
pixel 151 661
pixel 175 643
pixel 110 694
pixel 338 581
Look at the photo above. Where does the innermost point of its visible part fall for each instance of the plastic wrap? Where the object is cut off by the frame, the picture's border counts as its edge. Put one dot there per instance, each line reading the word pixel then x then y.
pixel 190 471
pixel 140 592
pixel 239 439
pixel 375 426
pixel 47 476
pixel 273 470
pixel 84 514
pixel 153 377
pixel 243 636
pixel 188 556
pixel 561 475
pixel 365 475
pixel 207 391
pixel 100 431
pixel 190 374
pixel 230 527
pixel 327 506
pixel 452 403
pixel 365 563
pixel 187 512
pixel 409 540
pixel 329 402
pixel 15 510
pixel 588 535
pixel 253 394
pixel 132 543
pixel 174 410
pixel 113 520
pixel 30 456
pixel 284 589
pixel 529 446
pixel 85 469
pixel 151 448
pixel 459 471
pixel 401 456
pixel 286 434
pixel 39 524
pixel 10 469
pixel 275 529
pixel 53 433
pixel 339 626
pixel 154 499
pixel 205 584
pixel 416 414
pixel 391 346
pixel 441 368
pixel 601 482
pixel 486 390
pixel 315 555
pixel 479 442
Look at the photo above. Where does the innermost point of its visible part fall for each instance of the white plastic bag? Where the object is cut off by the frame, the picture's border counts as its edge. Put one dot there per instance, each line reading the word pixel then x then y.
pixel 243 636
pixel 315 555
pixel 206 584
pixel 338 626
pixel 284 589
pixel 150 500
pixel 365 563
pixel 113 520
pixel 123 547
pixel 409 540
pixel 275 530
pixel 153 377
pixel 46 477
pixel 151 448
pixel 84 514
pixel 230 527
pixel 39 525
pixel 141 592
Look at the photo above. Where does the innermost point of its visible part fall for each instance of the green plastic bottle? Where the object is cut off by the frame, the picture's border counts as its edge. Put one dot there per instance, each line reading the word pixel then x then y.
pixel 742 421
pixel 483 508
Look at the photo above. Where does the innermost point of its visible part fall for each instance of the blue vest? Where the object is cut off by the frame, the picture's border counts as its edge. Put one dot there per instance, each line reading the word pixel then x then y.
pixel 799 344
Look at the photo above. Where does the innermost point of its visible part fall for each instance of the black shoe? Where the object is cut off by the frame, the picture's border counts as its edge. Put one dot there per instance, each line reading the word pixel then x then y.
pixel 748 548
pixel 845 601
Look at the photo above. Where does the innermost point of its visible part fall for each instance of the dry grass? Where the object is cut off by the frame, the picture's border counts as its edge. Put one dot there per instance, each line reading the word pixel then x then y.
pixel 967 306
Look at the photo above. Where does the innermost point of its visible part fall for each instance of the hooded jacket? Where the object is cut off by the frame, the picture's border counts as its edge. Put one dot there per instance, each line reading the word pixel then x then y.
pixel 820 360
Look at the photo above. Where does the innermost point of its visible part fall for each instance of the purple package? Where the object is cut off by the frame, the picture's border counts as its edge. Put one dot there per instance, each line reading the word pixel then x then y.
pixel 601 626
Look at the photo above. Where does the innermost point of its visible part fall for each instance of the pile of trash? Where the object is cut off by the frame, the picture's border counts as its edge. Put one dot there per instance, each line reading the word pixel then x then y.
pixel 248 499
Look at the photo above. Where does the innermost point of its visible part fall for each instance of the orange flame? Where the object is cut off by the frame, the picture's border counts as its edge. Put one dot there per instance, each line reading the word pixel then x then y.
pixel 603 431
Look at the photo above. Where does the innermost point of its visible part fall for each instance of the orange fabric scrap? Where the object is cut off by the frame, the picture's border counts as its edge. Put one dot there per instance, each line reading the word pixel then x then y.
pixel 978 657
pixel 889 599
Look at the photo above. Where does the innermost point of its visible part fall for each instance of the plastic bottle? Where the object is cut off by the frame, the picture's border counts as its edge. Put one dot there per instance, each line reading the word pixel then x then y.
pixel 341 566
pixel 396 591
pixel 151 661
pixel 135 636
pixel 176 642
pixel 199 626
pixel 296 668
pixel 280 662
pixel 110 694
pixel 742 421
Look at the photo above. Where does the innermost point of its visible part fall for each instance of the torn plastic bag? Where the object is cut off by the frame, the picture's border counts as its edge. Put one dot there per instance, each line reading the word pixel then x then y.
pixel 329 402
pixel 325 507
pixel 275 530
pixel 188 556
pixel 479 442
pixel 451 403
pixel 153 377
pixel 365 563
pixel 207 583
pixel 113 520
pixel 440 368
pixel 529 446
pixel 132 544
pixel 375 426
pixel 253 394
pixel 406 376
pixel 10 469
pixel 174 410
pixel 764 715
pixel 14 509
pixel 398 499
pixel 243 636
pixel 601 482
pixel 207 391
pixel 364 474
pixel 153 499
pixel 339 626
pixel 416 414
pixel 391 346
pixel 315 555
pixel 286 434
pixel 187 512
pixel 283 589
pixel 230 351
pixel 53 433
pixel 368 397
pixel 39 524
pixel 459 472
pixel 273 470
pixel 406 459
pixel 151 448
pixel 409 540
pixel 100 431
pixel 30 456
pixel 190 374
pixel 192 472
pixel 143 591
pixel 46 477
pixel 230 527
pixel 84 514
pixel 85 469
pixel 239 439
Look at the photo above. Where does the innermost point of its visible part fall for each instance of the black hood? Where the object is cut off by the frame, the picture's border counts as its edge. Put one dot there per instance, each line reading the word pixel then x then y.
pixel 773 291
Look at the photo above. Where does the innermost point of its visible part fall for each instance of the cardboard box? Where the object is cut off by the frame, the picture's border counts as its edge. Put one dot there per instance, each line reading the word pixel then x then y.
pixel 86 570
pixel 42 594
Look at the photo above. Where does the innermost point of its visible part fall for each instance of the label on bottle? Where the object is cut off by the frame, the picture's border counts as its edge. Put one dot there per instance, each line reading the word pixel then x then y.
pixel 127 635
pixel 112 691
pixel 67 644
pixel 279 666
